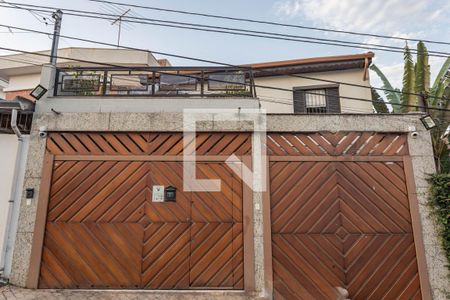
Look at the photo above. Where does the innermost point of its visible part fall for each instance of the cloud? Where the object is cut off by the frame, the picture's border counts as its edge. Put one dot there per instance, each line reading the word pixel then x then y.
pixel 394 72
pixel 441 12
pixel 356 15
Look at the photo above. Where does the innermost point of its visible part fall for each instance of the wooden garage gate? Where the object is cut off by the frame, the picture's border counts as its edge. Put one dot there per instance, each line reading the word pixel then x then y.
pixel 342 217
pixel 102 229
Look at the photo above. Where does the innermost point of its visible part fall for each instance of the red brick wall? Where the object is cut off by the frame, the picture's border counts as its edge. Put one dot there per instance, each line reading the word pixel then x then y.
pixel 24 93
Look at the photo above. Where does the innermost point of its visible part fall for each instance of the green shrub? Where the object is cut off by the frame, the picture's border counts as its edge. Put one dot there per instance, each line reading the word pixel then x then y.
pixel 440 202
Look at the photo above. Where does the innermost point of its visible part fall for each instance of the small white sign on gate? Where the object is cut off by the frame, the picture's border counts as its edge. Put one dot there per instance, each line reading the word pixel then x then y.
pixel 158 193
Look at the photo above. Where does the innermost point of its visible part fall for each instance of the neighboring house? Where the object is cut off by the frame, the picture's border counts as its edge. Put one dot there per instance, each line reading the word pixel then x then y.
pixel 22 72
pixel 19 75
pixel 350 69
pixel 2 86
pixel 121 203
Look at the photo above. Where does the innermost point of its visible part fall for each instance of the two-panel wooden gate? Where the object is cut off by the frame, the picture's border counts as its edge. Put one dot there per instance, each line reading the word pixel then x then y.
pixel 341 217
pixel 103 229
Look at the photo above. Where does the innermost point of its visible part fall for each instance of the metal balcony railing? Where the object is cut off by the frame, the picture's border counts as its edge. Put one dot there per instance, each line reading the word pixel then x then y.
pixel 155 82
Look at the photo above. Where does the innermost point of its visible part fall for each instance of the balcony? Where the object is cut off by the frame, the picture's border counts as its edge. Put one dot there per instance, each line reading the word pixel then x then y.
pixel 197 82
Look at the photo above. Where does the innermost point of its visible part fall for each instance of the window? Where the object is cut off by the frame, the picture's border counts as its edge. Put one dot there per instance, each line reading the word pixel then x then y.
pixel 169 82
pixel 80 83
pixel 226 82
pixel 317 100
pixel 138 82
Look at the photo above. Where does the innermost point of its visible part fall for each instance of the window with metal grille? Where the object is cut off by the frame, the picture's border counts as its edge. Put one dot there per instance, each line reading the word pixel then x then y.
pixel 318 99
pixel 24 120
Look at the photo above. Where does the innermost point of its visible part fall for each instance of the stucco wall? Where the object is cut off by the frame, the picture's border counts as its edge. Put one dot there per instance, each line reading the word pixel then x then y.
pixel 8 153
pixel 268 97
pixel 23 82
pixel 420 149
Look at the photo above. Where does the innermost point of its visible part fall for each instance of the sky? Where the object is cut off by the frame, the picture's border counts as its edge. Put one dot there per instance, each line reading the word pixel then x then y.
pixel 419 19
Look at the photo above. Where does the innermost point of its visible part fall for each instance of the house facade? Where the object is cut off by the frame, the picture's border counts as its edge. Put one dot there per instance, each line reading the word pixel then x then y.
pixel 226 182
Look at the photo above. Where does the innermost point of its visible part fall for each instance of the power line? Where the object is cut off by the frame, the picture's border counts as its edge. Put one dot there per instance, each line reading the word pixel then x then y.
pixel 362 86
pixel 270 23
pixel 190 76
pixel 235 31
pixel 33 13
pixel 126 47
pixel 203 60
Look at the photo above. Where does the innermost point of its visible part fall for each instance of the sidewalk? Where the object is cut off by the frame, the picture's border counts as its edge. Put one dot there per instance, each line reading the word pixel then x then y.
pixel 12 292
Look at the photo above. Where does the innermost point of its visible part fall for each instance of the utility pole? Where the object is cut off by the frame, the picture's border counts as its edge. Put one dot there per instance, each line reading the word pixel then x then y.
pixel 56 32
pixel 119 22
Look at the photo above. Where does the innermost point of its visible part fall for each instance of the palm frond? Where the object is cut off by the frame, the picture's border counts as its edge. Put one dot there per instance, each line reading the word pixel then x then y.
pixel 378 103
pixel 441 82
pixel 440 76
pixel 407 97
pixel 422 70
pixel 392 94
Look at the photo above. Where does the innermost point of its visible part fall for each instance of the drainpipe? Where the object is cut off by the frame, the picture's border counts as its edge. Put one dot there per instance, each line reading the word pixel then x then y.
pixel 8 246
pixel 14 125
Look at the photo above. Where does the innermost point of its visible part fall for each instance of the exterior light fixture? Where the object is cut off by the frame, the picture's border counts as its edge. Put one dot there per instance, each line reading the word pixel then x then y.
pixel 38 92
pixel 428 122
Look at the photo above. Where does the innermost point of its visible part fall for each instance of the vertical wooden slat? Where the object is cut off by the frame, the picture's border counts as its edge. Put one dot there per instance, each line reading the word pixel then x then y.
pixel 417 229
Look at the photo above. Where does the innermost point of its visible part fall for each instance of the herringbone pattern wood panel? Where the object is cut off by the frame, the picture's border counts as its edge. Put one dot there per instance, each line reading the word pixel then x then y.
pixel 74 143
pixel 336 144
pixel 340 226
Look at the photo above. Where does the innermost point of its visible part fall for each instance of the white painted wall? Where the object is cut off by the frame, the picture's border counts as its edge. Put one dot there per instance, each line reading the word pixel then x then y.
pixel 137 104
pixel 13 157
pixel 8 154
pixel 268 97
pixel 23 82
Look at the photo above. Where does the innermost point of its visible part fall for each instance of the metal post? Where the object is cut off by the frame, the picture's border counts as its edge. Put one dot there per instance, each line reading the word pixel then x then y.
pixel 56 32
pixel 120 28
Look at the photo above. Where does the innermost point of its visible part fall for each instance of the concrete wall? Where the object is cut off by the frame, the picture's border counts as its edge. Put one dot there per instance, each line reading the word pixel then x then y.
pixel 268 97
pixel 8 154
pixel 138 104
pixel 420 151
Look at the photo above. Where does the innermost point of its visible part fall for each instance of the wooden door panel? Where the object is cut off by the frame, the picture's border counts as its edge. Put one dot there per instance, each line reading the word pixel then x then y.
pixel 342 227
pixel 168 174
pixel 222 206
pixel 216 259
pixel 216 255
pixel 91 255
pixel 104 230
pixel 165 256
